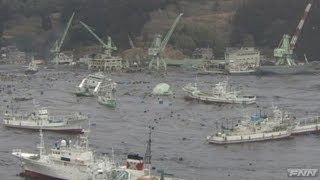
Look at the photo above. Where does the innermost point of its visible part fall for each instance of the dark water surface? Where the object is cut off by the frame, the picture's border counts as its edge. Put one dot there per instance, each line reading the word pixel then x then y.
pixel 180 127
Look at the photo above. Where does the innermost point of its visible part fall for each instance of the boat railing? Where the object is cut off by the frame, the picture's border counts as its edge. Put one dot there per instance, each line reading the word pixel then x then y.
pixel 309 120
pixel 68 117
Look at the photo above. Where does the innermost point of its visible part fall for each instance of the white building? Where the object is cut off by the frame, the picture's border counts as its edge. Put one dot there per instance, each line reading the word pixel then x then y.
pixel 242 59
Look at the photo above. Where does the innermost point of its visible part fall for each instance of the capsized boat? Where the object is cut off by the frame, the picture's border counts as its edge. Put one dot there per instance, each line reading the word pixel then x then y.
pixel 93 85
pixel 67 160
pixel 257 128
pixel 40 118
pixel 219 94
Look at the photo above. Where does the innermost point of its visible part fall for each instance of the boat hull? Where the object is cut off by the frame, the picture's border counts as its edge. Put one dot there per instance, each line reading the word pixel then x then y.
pixel 306 129
pixel 210 100
pixel 31 71
pixel 84 94
pixel 298 69
pixel 41 170
pixel 248 138
pixel 247 72
pixel 37 175
pixel 57 129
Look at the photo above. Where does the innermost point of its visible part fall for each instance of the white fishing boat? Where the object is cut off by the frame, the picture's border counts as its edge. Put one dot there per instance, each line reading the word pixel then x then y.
pixel 219 94
pixel 255 129
pixel 40 118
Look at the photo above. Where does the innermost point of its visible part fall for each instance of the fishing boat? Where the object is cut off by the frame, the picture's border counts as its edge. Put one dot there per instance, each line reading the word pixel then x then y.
pixel 219 94
pixel 108 100
pixel 257 128
pixel 40 118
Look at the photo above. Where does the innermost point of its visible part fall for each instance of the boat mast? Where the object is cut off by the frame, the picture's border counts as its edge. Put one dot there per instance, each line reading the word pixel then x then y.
pixel 41 145
pixel 147 156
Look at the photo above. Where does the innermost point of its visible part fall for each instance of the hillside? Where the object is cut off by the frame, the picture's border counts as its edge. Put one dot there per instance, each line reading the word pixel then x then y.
pixel 33 25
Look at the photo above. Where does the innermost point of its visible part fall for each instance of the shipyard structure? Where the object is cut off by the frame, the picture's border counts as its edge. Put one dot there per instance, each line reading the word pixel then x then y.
pixel 241 60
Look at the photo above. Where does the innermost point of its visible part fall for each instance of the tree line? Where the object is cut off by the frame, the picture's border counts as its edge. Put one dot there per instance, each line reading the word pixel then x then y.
pixel 257 22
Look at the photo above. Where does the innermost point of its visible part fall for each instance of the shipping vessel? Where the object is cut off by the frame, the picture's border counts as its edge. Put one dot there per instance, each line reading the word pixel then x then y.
pixel 219 94
pixel 40 118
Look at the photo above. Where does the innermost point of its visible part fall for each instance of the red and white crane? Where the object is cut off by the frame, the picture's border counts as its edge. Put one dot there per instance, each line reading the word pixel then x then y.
pixel 300 25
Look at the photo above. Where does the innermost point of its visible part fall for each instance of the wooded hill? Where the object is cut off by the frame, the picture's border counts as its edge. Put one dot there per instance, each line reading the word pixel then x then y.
pixel 33 25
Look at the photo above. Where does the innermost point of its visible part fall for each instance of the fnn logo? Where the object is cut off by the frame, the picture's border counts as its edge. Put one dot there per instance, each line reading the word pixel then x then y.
pixel 299 172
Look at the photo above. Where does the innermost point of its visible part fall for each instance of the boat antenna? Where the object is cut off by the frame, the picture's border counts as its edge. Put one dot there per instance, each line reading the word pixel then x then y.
pixel 147 156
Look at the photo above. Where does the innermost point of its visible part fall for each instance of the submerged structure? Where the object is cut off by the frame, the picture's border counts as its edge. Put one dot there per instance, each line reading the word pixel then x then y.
pixel 219 94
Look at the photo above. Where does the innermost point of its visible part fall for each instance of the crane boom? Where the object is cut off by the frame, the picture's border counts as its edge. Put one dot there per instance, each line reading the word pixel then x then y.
pixel 167 37
pixel 300 25
pixel 94 34
pixel 65 32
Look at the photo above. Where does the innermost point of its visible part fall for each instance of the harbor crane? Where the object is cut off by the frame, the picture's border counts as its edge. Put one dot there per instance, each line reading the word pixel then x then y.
pixel 107 47
pixel 284 52
pixel 58 56
pixel 158 46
